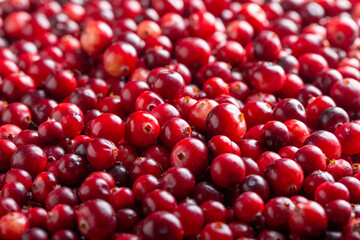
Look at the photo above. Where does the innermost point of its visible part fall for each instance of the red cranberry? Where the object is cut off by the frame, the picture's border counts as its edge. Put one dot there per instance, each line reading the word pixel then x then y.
pixel 327 142
pixel 145 184
pixel 341 32
pixel 7 149
pixel 308 219
pixel 216 230
pixel 349 136
pixel 144 165
pixel 31 158
pixel 178 181
pixel 352 184
pixel 158 200
pixel 339 168
pixel 199 111
pixel 338 213
pixel 160 225
pixel 141 129
pixel 257 184
pixel 37 217
pixel 50 132
pixel 61 195
pixel 231 116
pixel 268 78
pixel 229 165
pixel 310 158
pixel 190 153
pixel 120 59
pixel 96 218
pixel 279 171
pixel 60 217
pixel 103 149
pixel 35 233
pixel 328 191
pixel 277 212
pixel 346 93
pixel 60 84
pixel 191 218
pixel 248 207
pixel 96 36
pixel 197 52
pixel 13 225
pixel 18 114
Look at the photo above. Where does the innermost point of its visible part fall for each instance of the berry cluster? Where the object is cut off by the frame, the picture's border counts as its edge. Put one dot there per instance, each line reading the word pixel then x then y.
pixel 179 119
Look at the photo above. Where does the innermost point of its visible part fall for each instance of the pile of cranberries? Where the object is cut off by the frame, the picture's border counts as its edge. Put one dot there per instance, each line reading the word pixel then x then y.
pixel 179 119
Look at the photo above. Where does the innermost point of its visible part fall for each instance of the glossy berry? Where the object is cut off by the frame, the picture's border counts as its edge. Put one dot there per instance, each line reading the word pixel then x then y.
pixel 101 153
pixel 141 129
pixel 230 116
pixel 229 165
pixel 96 218
pixel 279 170
pixel 248 207
pixel 308 219
pixel 120 59
pixel 190 153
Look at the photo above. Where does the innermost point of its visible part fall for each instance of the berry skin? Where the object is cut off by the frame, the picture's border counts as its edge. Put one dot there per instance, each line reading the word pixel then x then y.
pixel 96 219
pixel 141 129
pixel 96 36
pixel 308 219
pixel 120 59
pixel 248 207
pixel 232 122
pixel 288 173
pixel 227 170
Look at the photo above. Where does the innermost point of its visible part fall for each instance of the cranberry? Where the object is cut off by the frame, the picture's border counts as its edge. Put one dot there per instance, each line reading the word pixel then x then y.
pixel 327 142
pixel 332 118
pixel 199 112
pixel 325 192
pixel 60 217
pixel 257 184
pixel 308 219
pixel 158 200
pixel 7 149
pixel 193 52
pixel 274 135
pixel 230 165
pixel 172 178
pixel 60 84
pixel 279 171
pixel 103 149
pixel 31 158
pixel 339 168
pixel 277 212
pixel 145 184
pixel 191 218
pixel 161 224
pixel 144 165
pixel 338 213
pixel 346 93
pixel 13 225
pixel 248 207
pixel 348 135
pixel 141 129
pixel 96 218
pixel 231 116
pixel 216 230
pixel 35 233
pixel 341 32
pixel 120 59
pixel 61 195
pixel 96 36
pixel 311 159
pixel 190 153
pixel 104 126
pixel 18 114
